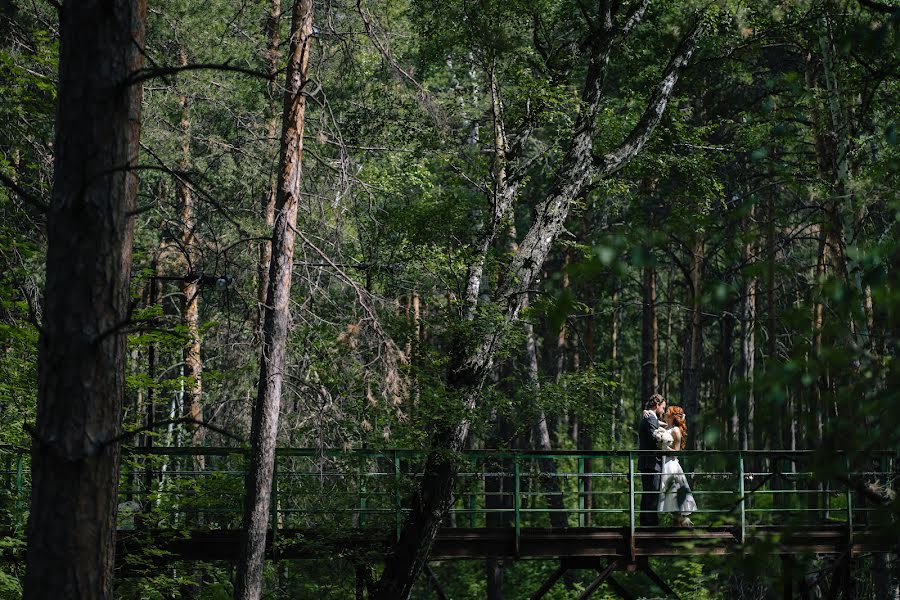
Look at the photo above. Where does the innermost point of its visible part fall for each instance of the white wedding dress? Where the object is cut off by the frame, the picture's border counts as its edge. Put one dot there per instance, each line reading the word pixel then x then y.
pixel 674 491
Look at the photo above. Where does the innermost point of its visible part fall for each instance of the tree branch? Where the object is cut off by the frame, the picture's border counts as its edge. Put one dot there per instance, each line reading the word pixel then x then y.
pixel 614 160
pixel 634 16
pixel 880 7
pixel 24 194
pixel 154 72
pixel 155 424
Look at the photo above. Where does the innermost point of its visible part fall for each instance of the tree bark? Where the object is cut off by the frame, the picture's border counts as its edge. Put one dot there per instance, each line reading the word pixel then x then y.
pixel 617 408
pixel 744 400
pixel 649 337
pixel 264 430
pixel 541 435
pixel 190 287
pixel 273 56
pixel 81 362
pixel 470 366
pixel 693 349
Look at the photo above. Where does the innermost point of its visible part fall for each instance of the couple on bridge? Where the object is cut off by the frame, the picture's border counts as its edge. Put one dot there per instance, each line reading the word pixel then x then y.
pixel 665 487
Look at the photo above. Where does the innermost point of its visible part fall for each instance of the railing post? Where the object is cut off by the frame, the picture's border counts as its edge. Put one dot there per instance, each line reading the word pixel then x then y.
pixel 741 505
pixel 849 508
pixel 473 465
pixel 517 503
pixel 20 485
pixel 397 504
pixel 581 503
pixel 274 507
pixel 363 489
pixel 631 544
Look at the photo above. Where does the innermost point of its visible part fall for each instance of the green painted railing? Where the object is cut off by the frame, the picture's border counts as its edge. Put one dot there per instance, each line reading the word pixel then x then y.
pixel 328 489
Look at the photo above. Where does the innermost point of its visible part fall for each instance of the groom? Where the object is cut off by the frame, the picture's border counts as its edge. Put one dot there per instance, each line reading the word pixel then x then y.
pixel 650 465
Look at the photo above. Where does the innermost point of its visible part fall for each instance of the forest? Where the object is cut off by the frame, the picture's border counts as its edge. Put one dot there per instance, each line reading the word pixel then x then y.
pixel 413 299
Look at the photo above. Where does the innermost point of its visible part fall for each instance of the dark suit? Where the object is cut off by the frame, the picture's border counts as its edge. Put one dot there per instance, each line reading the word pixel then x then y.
pixel 650 466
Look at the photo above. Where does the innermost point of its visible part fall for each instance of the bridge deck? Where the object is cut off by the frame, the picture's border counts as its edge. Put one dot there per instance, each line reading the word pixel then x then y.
pixel 483 543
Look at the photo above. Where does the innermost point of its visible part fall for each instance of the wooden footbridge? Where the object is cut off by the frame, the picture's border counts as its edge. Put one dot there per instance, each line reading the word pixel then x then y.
pixel 582 508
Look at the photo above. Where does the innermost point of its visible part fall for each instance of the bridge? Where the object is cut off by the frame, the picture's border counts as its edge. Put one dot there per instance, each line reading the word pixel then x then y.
pixel 581 508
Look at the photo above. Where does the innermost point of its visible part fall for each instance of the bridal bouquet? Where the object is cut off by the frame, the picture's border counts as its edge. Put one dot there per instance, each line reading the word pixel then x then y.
pixel 663 438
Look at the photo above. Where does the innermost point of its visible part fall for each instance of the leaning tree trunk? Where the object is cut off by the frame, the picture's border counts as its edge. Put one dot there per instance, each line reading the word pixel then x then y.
pixel 81 362
pixel 264 429
pixel 470 366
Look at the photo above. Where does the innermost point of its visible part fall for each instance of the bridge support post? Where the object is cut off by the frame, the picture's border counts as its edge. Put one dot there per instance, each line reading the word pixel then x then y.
pixel 554 577
pixel 601 577
pixel 742 506
pixel 438 589
pixel 517 504
pixel 618 589
pixel 787 576
pixel 644 565
pixel 842 578
pixel 631 544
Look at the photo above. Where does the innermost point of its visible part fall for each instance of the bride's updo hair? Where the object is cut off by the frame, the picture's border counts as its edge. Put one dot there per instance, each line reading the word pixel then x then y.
pixel 678 419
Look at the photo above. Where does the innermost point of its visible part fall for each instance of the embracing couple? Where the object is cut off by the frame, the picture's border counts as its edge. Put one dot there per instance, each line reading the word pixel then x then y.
pixel 665 488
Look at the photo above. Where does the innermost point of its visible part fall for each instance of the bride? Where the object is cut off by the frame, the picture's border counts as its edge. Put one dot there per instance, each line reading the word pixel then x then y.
pixel 674 493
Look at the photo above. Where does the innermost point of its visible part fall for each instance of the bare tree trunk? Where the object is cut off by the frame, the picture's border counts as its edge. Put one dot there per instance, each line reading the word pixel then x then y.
pixel 273 56
pixel 264 430
pixel 667 357
pixel 693 351
pixel 190 287
pixel 727 373
pixel 842 198
pixel 562 345
pixel 744 401
pixel 470 366
pixel 541 436
pixel 617 407
pixel 775 425
pixel 649 337
pixel 150 416
pixel 81 361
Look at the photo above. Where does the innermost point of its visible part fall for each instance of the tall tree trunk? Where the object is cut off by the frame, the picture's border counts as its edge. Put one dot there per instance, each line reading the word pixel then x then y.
pixel 649 337
pixel 150 416
pixel 264 430
pixel 774 426
pixel 81 361
pixel 726 376
pixel 190 287
pixel 693 349
pixel 667 357
pixel 744 399
pixel 470 366
pixel 541 435
pixel 617 408
pixel 273 56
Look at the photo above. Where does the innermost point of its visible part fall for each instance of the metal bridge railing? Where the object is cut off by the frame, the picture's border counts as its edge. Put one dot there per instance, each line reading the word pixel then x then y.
pixel 335 490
